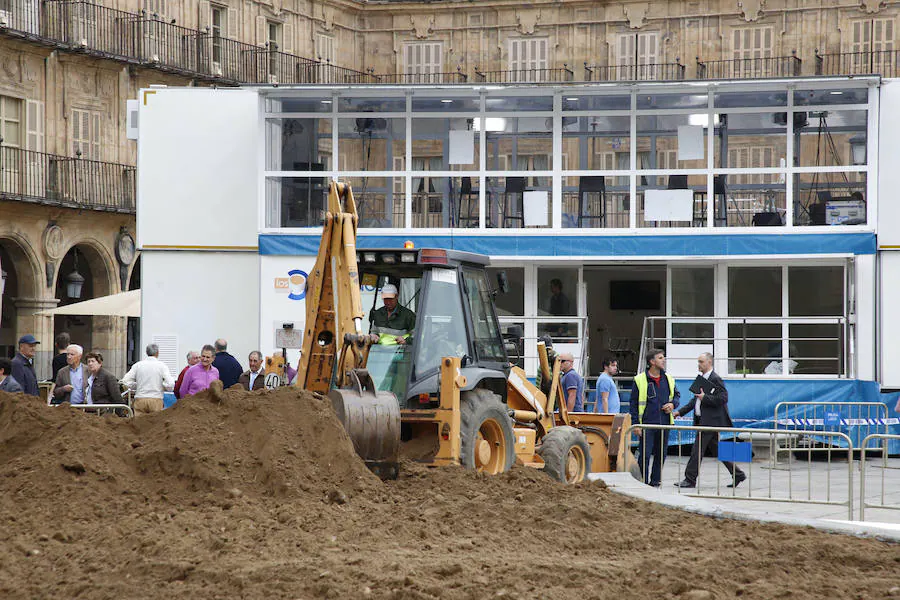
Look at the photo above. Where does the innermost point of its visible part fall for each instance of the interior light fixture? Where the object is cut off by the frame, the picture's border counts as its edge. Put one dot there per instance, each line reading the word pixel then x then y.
pixel 491 124
pixel 446 101
pixel 571 99
pixel 836 93
pixel 702 119
pixel 326 101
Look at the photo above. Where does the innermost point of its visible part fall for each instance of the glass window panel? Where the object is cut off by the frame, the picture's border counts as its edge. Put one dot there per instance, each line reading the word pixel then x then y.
pixel 519 144
pixel 518 103
pixel 750 141
pixel 588 102
pixel 693 333
pixel 752 347
pixel 749 200
pixel 816 291
pixel 830 199
pixel 296 201
pixel 514 338
pixel 833 96
pixel 445 104
pixel 750 99
pixel 816 348
pixel 505 202
pixel 658 143
pixel 441 334
pixel 513 302
pixel 557 292
pixel 380 201
pixel 594 201
pixel 299 145
pixel 431 144
pixel 693 292
pixel 595 142
pixel 396 104
pixel 444 202
pixel 302 104
pixel 372 144
pixel 828 136
pixel 682 100
pixel 486 329
pixel 754 292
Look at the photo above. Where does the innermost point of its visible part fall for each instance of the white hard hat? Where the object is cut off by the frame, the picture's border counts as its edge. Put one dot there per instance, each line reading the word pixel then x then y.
pixel 389 291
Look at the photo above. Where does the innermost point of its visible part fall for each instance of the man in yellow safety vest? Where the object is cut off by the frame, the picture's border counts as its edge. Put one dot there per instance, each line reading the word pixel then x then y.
pixel 653 398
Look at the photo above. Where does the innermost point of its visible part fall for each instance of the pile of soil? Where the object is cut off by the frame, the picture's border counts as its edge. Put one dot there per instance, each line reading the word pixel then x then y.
pixel 259 495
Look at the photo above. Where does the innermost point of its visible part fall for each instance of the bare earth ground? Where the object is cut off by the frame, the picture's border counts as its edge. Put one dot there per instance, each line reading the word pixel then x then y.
pixel 260 495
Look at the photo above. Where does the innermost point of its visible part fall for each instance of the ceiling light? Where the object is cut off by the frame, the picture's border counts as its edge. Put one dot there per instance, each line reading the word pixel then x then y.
pixel 702 119
pixel 836 93
pixel 326 101
pixel 491 124
pixel 446 101
pixel 571 99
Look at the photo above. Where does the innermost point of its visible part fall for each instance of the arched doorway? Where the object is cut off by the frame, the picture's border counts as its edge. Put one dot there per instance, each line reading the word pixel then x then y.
pixel 90 265
pixel 19 271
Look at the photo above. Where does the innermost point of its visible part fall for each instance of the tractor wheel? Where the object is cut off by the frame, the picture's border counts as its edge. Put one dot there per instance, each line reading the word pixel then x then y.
pixel 566 454
pixel 487 441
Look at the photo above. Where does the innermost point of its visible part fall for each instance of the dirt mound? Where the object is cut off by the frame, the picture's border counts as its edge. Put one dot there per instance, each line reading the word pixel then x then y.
pixel 281 444
pixel 259 496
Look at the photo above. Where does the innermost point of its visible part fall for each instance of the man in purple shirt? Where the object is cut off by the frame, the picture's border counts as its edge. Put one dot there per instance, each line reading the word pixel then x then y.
pixel 198 377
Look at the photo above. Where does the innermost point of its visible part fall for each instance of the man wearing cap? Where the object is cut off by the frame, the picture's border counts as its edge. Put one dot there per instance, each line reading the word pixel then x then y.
pixel 23 365
pixel 392 323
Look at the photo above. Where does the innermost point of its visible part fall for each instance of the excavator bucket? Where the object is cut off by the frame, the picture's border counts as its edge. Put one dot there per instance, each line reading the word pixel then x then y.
pixel 372 419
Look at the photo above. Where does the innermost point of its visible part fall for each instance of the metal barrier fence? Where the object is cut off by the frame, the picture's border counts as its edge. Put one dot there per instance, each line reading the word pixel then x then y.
pixel 882 503
pixel 858 419
pixel 104 408
pixel 809 487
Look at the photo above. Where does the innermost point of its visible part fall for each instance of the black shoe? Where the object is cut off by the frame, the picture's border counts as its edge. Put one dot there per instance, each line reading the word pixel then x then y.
pixel 657 484
pixel 738 478
pixel 686 484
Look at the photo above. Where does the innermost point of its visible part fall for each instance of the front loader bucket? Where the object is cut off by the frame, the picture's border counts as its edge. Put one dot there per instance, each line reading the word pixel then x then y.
pixel 372 419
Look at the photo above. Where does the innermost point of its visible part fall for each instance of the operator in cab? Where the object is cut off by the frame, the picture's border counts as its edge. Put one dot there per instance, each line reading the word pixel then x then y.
pixel 393 323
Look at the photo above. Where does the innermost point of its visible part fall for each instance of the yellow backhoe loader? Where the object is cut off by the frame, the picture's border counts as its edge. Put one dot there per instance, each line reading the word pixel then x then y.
pixel 450 387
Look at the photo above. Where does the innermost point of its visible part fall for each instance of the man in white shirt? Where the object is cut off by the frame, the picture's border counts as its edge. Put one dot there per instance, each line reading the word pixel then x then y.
pixel 254 379
pixel 150 379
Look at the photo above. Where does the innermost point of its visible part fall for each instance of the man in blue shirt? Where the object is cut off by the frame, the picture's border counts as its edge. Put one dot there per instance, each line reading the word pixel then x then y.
pixel 607 391
pixel 572 383
pixel 70 381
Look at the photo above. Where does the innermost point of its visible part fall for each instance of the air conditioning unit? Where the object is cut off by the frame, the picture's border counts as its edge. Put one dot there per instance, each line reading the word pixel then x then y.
pixel 273 79
pixel 5 18
pixel 217 69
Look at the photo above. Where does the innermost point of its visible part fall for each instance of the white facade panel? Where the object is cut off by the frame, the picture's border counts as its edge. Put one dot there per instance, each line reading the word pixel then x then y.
pixel 888 150
pixel 866 329
pixel 890 319
pixel 279 300
pixel 197 168
pixel 199 297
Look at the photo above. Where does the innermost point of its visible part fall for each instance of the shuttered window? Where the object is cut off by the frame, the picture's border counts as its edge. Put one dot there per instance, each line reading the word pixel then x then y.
pixel 528 59
pixel 634 52
pixel 871 44
pixel 86 134
pixel 325 47
pixel 155 7
pixel 751 157
pixel 752 42
pixel 34 125
pixel 11 118
pixel 424 61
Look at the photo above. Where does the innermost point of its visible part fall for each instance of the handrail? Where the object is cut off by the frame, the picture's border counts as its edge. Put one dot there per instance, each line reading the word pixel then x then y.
pixel 862 473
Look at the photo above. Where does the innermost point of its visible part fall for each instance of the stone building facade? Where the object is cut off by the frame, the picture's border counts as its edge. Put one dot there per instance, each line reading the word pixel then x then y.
pixel 67 69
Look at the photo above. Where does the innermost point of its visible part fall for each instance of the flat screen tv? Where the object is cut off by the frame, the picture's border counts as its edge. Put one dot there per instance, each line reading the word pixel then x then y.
pixel 634 295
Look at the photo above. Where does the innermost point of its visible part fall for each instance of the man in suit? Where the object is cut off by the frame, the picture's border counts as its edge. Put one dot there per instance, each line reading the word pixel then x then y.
pixel 228 366
pixel 71 381
pixel 710 410
pixel 254 379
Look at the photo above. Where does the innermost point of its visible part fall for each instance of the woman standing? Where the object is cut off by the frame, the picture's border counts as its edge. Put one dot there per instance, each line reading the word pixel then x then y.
pixel 102 387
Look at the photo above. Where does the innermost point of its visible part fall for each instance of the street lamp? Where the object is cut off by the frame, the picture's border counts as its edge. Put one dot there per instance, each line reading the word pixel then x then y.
pixel 74 281
pixel 858 149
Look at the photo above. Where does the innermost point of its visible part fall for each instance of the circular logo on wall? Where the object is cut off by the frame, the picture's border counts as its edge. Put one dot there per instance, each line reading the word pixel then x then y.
pixel 297 284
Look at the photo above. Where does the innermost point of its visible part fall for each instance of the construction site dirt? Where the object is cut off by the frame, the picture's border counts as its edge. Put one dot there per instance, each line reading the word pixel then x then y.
pixel 260 495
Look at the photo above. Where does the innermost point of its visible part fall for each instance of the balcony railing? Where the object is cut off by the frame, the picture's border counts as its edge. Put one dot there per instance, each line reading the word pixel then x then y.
pixel 526 75
pixel 422 78
pixel 650 72
pixel 65 181
pixel 139 38
pixel 750 68
pixel 877 62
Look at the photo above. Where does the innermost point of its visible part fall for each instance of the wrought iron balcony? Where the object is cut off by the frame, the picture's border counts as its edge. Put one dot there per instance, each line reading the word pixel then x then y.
pixel 750 68
pixel 422 78
pixel 526 75
pixel 43 178
pixel 876 62
pixel 650 72
pixel 146 40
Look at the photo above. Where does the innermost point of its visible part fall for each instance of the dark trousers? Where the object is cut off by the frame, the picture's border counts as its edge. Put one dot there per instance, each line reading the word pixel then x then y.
pixel 707 443
pixel 653 445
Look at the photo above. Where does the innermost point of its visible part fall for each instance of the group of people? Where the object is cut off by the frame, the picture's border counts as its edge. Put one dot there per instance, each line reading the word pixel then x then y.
pixel 81 379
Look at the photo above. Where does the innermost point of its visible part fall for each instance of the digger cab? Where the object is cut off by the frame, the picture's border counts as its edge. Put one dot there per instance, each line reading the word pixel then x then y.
pixel 452 299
